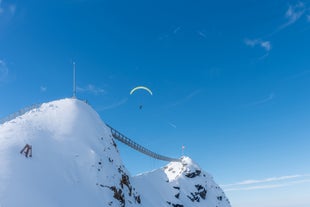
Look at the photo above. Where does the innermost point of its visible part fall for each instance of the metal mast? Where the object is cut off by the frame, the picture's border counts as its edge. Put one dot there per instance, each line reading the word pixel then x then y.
pixel 74 85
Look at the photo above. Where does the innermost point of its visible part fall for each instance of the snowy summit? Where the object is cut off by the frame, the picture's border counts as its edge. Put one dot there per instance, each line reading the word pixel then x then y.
pixel 62 154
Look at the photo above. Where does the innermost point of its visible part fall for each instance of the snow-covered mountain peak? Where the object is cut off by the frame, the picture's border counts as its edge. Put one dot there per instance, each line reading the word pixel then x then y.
pixel 62 154
pixel 184 168
pixel 181 184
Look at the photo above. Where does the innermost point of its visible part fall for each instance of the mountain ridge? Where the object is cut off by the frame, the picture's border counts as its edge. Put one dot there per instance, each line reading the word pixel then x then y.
pixel 75 162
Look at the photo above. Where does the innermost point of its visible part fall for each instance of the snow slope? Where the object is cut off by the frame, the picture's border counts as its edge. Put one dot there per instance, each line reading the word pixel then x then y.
pixel 75 162
pixel 180 184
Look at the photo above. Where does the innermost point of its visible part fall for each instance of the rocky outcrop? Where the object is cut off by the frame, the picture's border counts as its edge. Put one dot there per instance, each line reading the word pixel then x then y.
pixel 183 184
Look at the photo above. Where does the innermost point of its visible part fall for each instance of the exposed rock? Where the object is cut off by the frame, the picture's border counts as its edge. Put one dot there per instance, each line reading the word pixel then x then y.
pixel 203 194
pixel 175 205
pixel 125 181
pixel 201 191
pixel 193 174
pixel 137 199
pixel 177 195
pixel 118 195
pixel 114 144
pixel 199 187
pixel 176 187
pixel 194 197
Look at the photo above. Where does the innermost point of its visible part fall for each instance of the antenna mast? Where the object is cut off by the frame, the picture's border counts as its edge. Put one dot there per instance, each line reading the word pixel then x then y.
pixel 74 86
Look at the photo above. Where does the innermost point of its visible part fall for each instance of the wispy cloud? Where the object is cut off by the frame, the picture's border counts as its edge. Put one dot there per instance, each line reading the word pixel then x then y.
pixel 170 34
pixel 273 182
pixel 257 187
pixel 202 34
pixel 176 30
pixel 172 125
pixel 4 71
pixel 186 31
pixel 114 105
pixel 43 88
pixel 266 45
pixel 1 9
pixel 293 13
pixel 298 75
pixel 163 37
pixel 270 97
pixel 186 98
pixel 12 8
pixel 265 180
pixel 192 94
pixel 8 9
pixel 91 89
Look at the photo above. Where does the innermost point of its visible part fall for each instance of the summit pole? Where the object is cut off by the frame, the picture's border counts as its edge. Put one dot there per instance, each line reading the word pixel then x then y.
pixel 74 85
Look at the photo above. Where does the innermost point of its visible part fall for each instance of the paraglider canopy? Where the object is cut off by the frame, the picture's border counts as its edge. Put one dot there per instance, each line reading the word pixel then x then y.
pixel 141 88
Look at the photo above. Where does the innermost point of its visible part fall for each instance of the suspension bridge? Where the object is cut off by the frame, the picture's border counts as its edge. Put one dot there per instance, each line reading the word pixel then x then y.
pixel 115 134
pixel 122 138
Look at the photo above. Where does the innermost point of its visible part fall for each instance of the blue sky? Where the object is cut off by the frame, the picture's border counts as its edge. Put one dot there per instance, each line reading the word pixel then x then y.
pixel 230 81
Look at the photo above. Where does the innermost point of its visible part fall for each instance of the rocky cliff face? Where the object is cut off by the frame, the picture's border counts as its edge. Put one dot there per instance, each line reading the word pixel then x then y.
pixel 182 184
pixel 75 162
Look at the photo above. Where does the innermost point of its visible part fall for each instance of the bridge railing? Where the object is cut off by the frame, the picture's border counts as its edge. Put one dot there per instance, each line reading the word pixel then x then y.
pixel 19 113
pixel 122 138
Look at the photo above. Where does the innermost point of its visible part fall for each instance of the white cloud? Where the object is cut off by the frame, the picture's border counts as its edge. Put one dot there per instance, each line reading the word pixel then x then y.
pixel 270 97
pixel 114 105
pixel 4 71
pixel 257 187
pixel 203 35
pixel 91 89
pixel 172 125
pixel 176 30
pixel 1 9
pixel 8 9
pixel 293 13
pixel 266 45
pixel 186 98
pixel 170 34
pixel 43 88
pixel 251 43
pixel 163 37
pixel 273 182
pixel 12 9
pixel 265 180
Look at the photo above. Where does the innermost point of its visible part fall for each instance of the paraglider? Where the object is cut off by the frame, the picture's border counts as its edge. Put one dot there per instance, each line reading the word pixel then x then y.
pixel 141 88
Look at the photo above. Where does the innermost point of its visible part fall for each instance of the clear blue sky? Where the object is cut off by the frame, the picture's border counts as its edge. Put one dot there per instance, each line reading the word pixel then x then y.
pixel 230 81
